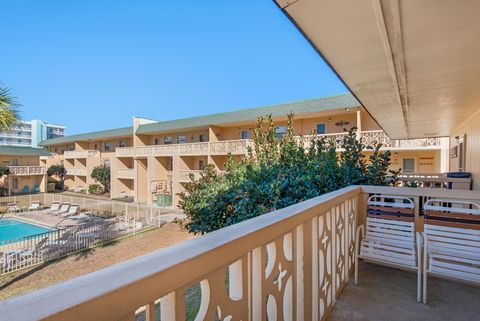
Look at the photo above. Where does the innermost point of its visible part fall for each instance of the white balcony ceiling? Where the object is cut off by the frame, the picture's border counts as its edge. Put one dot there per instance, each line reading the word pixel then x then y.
pixel 413 64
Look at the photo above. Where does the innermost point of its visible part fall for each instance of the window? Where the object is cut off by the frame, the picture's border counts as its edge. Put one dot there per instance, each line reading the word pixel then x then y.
pixel 180 139
pixel 244 134
pixel 106 163
pixel 201 138
pixel 56 150
pixel 15 183
pixel 95 147
pixel 122 143
pixel 20 141
pixel 14 162
pixel 408 165
pixel 106 147
pixel 71 147
pixel 168 140
pixel 280 131
pixel 157 141
pixel 321 129
pixel 201 165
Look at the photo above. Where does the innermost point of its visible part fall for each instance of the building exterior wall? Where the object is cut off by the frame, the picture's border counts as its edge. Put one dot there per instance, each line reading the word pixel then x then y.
pixel 469 131
pixel 142 172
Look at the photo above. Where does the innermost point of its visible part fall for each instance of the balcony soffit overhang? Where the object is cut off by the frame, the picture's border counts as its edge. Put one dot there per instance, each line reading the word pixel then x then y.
pixel 412 64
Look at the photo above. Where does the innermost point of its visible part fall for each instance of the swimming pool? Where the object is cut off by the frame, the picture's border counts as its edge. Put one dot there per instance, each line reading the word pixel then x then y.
pixel 14 229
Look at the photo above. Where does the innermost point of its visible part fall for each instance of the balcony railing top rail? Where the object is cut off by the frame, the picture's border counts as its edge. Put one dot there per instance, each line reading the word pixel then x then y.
pixel 27 170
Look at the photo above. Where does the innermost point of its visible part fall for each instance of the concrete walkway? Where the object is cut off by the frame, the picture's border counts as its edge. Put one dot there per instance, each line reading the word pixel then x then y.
pixel 389 294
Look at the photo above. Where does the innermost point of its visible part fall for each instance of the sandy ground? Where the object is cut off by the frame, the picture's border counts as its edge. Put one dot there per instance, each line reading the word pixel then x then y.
pixel 90 260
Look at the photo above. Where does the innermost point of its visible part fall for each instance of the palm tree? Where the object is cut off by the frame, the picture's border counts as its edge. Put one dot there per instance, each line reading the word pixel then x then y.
pixel 8 110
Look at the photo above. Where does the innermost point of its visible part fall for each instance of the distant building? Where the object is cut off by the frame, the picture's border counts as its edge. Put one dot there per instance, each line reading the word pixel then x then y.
pixel 31 133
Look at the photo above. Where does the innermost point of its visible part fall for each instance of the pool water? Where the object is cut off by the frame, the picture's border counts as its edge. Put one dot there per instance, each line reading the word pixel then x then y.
pixel 13 229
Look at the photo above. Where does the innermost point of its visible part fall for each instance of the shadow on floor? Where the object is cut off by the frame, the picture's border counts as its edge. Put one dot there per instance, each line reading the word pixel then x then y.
pixel 389 294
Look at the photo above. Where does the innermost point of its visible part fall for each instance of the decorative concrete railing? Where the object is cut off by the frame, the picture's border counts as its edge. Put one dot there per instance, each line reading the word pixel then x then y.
pixel 290 264
pixel 26 170
pixel 81 154
pixel 379 136
pixel 234 147
pixel 128 173
pixel 76 171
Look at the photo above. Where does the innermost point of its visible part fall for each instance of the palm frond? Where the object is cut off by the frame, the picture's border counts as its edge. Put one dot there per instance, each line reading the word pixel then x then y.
pixel 9 110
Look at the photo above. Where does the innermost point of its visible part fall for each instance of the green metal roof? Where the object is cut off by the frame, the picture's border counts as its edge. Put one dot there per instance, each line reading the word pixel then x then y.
pixel 23 151
pixel 103 134
pixel 282 110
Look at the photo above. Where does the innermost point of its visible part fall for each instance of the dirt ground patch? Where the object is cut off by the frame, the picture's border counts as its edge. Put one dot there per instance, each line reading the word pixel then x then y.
pixel 90 260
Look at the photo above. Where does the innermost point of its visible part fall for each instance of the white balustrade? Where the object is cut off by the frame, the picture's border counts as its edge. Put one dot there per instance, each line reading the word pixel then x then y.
pixel 81 154
pixel 128 173
pixel 27 170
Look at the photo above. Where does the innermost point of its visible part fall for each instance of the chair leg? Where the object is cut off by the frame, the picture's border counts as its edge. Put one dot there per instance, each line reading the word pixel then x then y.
pixel 425 276
pixel 419 267
pixel 357 241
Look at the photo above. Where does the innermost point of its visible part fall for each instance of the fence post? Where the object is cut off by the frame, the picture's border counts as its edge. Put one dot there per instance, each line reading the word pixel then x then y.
pixel 30 199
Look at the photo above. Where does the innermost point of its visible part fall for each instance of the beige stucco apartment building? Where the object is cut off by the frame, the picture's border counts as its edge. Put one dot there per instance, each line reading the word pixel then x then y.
pixel 27 168
pixel 154 158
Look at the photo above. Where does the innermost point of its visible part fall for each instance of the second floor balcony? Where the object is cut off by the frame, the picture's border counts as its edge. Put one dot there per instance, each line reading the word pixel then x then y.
pixel 72 154
pixel 234 147
pixel 290 264
pixel 240 147
pixel 27 170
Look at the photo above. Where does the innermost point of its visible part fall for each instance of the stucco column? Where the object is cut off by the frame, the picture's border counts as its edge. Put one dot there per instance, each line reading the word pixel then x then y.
pixel 176 167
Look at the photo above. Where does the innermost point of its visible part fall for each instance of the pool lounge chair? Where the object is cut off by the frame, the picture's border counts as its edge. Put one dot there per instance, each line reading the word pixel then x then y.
pixel 63 209
pixel 35 206
pixel 12 208
pixel 54 207
pixel 71 211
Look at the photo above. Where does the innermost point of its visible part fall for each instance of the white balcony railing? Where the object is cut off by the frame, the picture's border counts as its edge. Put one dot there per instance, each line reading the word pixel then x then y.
pixel 379 136
pixel 76 171
pixel 240 147
pixel 81 154
pixel 128 173
pixel 27 170
pixel 234 147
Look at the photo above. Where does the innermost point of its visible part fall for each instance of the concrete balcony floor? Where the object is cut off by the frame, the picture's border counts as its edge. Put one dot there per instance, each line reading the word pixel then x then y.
pixel 389 294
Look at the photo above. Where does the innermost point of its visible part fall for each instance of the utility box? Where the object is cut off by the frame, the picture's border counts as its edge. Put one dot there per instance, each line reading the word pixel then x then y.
pixel 164 200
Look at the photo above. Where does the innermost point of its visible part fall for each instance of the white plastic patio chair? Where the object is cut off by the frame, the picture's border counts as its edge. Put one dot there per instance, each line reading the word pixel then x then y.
pixel 12 208
pixel 452 241
pixel 71 211
pixel 389 237
pixel 63 209
pixel 54 207
pixel 35 206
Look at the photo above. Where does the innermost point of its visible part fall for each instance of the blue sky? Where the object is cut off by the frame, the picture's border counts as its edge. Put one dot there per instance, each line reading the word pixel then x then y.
pixel 92 65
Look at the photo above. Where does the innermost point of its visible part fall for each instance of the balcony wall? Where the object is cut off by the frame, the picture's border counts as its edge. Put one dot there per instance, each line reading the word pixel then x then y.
pixel 290 264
